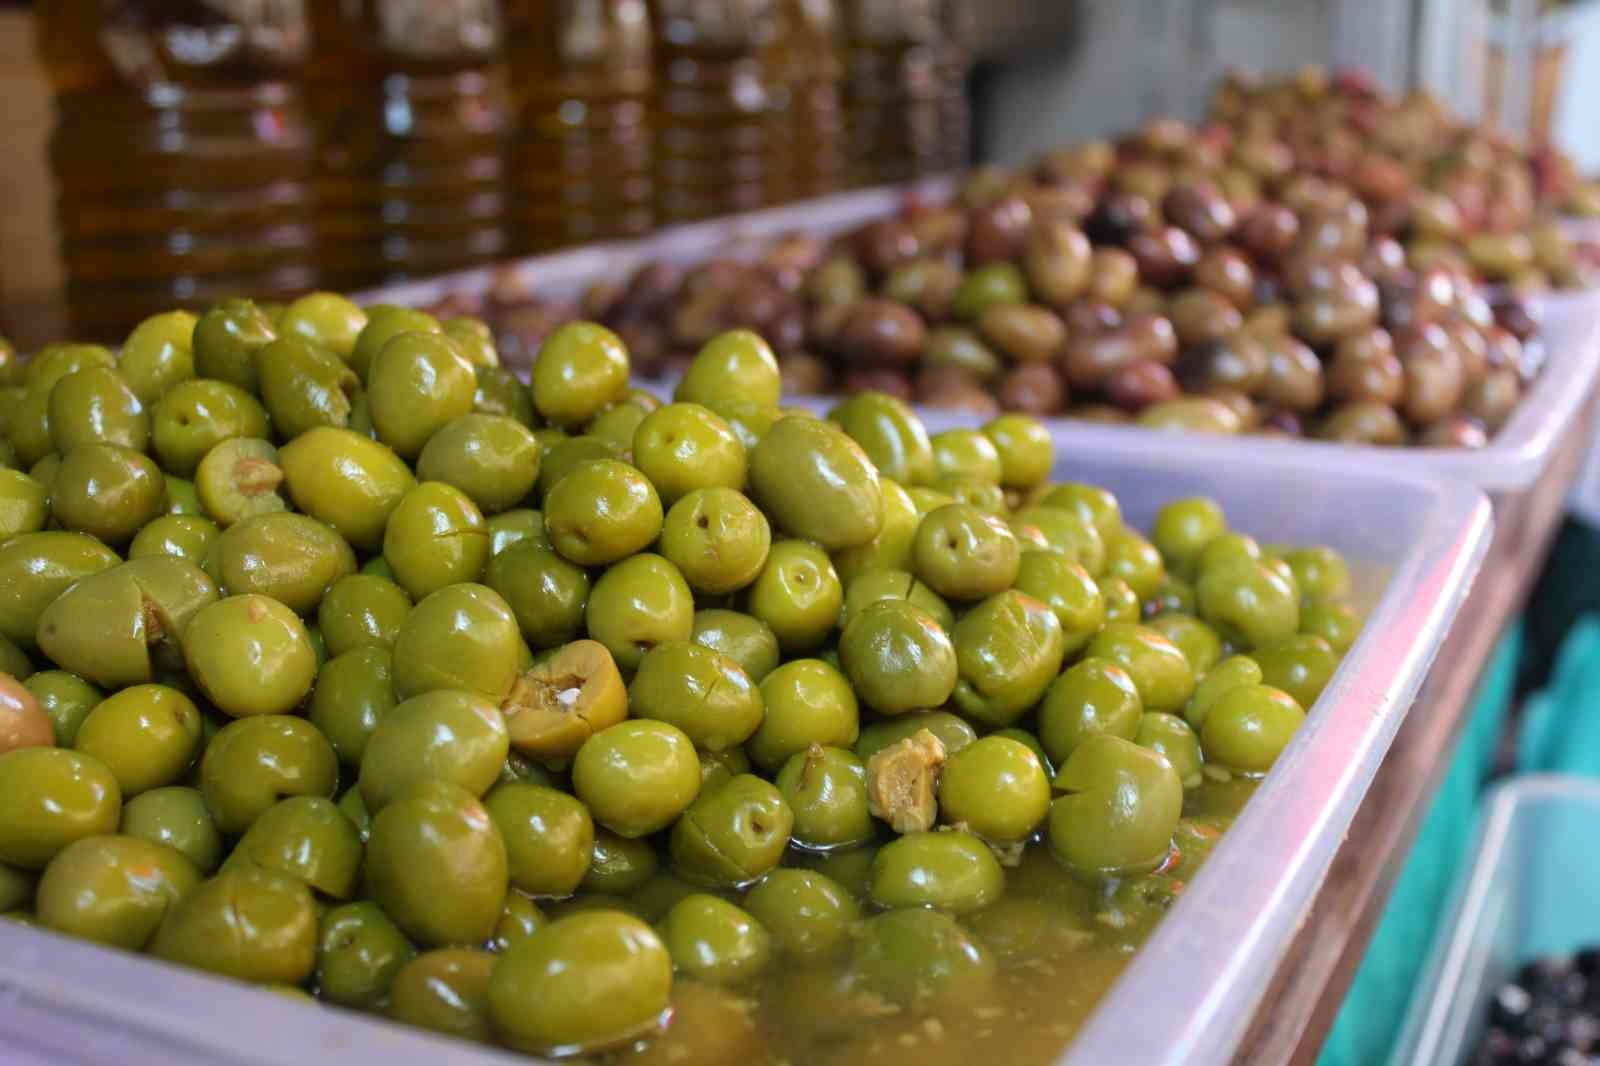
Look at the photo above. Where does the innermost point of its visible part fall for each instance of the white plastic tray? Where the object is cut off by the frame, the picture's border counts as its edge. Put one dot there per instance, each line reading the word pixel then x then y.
pixel 1415 544
pixel 1528 892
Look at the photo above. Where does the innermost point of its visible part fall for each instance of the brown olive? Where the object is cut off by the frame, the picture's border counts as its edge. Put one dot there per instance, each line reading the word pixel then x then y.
pixel 23 721
pixel 804 374
pixel 1325 318
pixel 885 245
pixel 1502 349
pixel 1225 270
pixel 928 285
pixel 1087 317
pixel 954 346
pixel 1164 256
pixel 1282 424
pixel 1492 399
pixel 1138 385
pixel 1203 316
pixel 1068 202
pixel 1269 320
pixel 1434 380
pixel 882 331
pixel 1120 216
pixel 1384 260
pixel 1200 209
pixel 969 398
pixel 1100 412
pixel 1034 389
pixel 1025 332
pixel 1363 423
pixel 998 231
pixel 931 379
pixel 1264 157
pixel 1366 369
pixel 1269 231
pixel 840 280
pixel 1514 314
pixel 1145 301
pixel 939 229
pixel 1148 179
pixel 887 379
pixel 1454 431
pixel 1056 258
pixel 1471 346
pixel 1090 360
pixel 1237 364
pixel 1244 408
pixel 1294 376
pixel 1113 276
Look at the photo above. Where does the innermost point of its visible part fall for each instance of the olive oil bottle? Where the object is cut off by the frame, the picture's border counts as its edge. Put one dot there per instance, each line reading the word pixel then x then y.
pixel 414 123
pixel 808 134
pixel 892 88
pixel 182 152
pixel 580 77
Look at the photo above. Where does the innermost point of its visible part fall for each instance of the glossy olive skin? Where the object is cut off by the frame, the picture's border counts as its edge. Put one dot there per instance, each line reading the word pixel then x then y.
pixel 53 797
pixel 1122 805
pixel 248 924
pixel 1090 697
pixel 1302 666
pixel 1160 671
pixel 798 595
pixel 1008 650
pixel 66 700
pixel 717 538
pixel 1248 727
pixel 705 694
pixel 964 554
pixel 1337 623
pixel 637 776
pixel 581 369
pixel 228 338
pixel 732 834
pixel 806 702
pixel 97 405
pixel 445 990
pixel 826 791
pixel 636 604
pixel 898 658
pixel 817 484
pixel 147 735
pixel 891 548
pixel 603 511
pixel 1183 528
pixel 921 959
pixel 440 735
pixel 437 865
pixel 952 732
pixel 292 558
pixel 682 447
pixel 619 865
pixel 491 458
pixel 713 940
pixel 113 889
pixel 384 323
pixel 158 354
pixel 586 983
pixel 306 838
pixel 359 952
pixel 736 365
pixel 891 435
pixel 194 416
pixel 555 706
pixel 953 871
pixel 561 456
pixel 436 537
pixel 107 491
pixel 361 610
pixel 740 637
pixel 517 526
pixel 545 592
pixel 24 504
pixel 327 320
pixel 416 385
pixel 254 762
pixel 1172 737
pixel 346 480
pixel 1249 603
pixel 304 386
pixel 461 637
pixel 997 788
pixel 353 693
pixel 250 655
pixel 35 568
pixel 549 837
pixel 176 817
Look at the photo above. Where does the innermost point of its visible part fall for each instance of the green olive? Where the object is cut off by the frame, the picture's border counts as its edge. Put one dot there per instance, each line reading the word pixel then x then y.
pixel 951 870
pixel 1248 727
pixel 1159 669
pixel 732 834
pixel 705 694
pixel 922 959
pixel 816 483
pixel 637 776
pixel 809 915
pixel 995 787
pixel 713 940
pixel 244 923
pixel 1008 650
pixel 359 954
pixel 1121 807
pixel 307 838
pixel 1091 696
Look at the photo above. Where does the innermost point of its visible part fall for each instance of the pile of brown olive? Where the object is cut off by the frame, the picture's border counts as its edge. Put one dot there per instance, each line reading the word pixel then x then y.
pixel 1309 262
pixel 337 660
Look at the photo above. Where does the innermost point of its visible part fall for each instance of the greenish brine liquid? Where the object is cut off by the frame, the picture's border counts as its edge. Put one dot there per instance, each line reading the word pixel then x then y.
pixel 414 122
pixel 808 134
pixel 892 88
pixel 713 100
pixel 182 153
pixel 581 76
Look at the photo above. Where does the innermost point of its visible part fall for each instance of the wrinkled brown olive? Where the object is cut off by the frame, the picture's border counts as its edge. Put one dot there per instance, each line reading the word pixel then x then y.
pixel 1492 399
pixel 1164 256
pixel 1138 385
pixel 1202 316
pixel 885 245
pixel 1269 231
pixel 1237 364
pixel 882 331
pixel 1200 209
pixel 954 346
pixel 1056 258
pixel 1034 389
pixel 998 231
pixel 1294 376
pixel 1226 271
pixel 1366 369
pixel 1090 360
pixel 1025 332
pixel 1113 276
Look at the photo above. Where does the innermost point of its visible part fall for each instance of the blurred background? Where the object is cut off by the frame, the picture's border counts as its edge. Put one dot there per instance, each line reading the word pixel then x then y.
pixel 165 152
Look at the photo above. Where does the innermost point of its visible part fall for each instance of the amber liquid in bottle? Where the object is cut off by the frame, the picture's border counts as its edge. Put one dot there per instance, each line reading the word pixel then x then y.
pixel 182 153
pixel 580 75
pixel 808 129
pixel 892 88
pixel 713 98
pixel 414 120
pixel 952 66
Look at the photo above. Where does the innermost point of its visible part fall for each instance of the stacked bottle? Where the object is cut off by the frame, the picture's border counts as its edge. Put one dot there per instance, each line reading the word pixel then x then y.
pixel 892 88
pixel 182 153
pixel 954 64
pixel 414 119
pixel 580 72
pixel 808 131
pixel 713 98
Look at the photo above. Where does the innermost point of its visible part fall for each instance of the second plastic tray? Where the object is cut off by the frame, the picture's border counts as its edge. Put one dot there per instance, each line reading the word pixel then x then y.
pixel 1415 545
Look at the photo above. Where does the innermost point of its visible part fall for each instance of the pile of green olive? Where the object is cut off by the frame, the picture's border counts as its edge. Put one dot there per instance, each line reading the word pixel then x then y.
pixel 337 660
